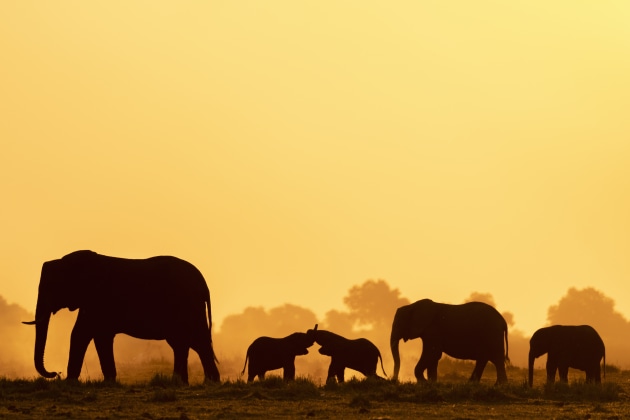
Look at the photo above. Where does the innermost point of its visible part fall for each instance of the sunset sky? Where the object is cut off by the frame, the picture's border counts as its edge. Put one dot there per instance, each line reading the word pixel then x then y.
pixel 293 149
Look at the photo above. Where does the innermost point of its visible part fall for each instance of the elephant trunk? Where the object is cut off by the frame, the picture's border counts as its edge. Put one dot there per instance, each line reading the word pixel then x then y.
pixel 395 353
pixel 41 333
pixel 531 370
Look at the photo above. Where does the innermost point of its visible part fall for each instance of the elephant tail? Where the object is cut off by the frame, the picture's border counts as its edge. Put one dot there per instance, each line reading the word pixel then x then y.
pixel 209 309
pixel 382 368
pixel 604 363
pixel 507 358
pixel 246 357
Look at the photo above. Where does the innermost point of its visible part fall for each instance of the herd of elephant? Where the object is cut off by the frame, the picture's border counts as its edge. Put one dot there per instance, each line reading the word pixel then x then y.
pixel 166 298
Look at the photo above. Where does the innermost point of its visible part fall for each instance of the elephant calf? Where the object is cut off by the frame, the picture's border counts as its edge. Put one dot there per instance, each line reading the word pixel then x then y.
pixel 267 353
pixel 568 346
pixel 360 354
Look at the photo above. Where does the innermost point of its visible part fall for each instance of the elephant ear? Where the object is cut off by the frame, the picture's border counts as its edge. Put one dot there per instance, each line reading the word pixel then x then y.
pixel 311 336
pixel 77 276
pixel 422 316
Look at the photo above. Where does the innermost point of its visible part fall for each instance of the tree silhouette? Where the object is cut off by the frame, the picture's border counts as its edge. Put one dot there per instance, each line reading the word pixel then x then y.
pixel 590 306
pixel 341 322
pixel 586 306
pixel 374 304
pixel 489 299
pixel 241 329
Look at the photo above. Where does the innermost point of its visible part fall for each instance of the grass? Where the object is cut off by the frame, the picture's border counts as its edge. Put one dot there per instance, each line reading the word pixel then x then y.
pixel 162 397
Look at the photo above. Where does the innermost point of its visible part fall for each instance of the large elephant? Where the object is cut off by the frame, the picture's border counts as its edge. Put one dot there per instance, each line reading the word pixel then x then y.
pixel 473 331
pixel 360 354
pixel 159 298
pixel 568 346
pixel 267 353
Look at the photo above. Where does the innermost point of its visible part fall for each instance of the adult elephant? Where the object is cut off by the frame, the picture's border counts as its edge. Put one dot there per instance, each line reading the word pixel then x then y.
pixel 159 298
pixel 473 331
pixel 568 346
pixel 359 354
pixel 268 353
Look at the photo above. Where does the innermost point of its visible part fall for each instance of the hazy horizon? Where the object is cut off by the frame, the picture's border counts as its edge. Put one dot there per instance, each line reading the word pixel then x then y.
pixel 368 313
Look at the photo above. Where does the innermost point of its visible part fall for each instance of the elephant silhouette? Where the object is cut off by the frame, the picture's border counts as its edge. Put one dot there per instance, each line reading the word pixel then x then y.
pixel 267 353
pixel 473 331
pixel 568 346
pixel 359 354
pixel 158 298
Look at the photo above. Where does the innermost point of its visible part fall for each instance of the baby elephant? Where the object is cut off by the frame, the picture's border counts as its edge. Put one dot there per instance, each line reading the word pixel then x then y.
pixel 267 353
pixel 568 346
pixel 360 354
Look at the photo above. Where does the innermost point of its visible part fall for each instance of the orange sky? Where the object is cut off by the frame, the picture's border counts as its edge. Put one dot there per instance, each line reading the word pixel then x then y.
pixel 293 149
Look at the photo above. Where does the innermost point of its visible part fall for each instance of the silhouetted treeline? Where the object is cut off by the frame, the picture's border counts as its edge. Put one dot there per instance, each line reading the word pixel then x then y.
pixel 368 313
pixel 590 306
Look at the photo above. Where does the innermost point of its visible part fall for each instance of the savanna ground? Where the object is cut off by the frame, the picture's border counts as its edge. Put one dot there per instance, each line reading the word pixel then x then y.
pixel 157 396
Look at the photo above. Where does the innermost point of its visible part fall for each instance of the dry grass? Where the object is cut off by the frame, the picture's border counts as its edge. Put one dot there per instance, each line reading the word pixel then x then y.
pixel 159 397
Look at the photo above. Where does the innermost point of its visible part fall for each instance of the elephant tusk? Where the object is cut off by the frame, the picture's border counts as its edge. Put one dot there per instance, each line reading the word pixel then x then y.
pixel 29 322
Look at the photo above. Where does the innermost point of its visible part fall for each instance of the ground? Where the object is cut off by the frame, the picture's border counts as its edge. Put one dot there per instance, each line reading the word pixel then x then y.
pixel 162 398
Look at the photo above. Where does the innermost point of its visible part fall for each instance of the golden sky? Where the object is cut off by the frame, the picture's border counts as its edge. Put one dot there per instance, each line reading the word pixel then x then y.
pixel 294 149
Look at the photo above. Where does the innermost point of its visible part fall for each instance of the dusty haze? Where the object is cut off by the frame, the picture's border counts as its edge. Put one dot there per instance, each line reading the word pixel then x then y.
pixel 369 311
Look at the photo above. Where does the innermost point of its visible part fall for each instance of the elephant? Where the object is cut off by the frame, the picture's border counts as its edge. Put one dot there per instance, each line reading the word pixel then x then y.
pixel 473 331
pixel 360 354
pixel 568 346
pixel 158 298
pixel 267 353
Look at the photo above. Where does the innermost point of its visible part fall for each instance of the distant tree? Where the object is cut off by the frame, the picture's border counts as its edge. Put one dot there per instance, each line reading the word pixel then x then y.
pixel 339 322
pixel 239 330
pixel 489 299
pixel 590 306
pixel 587 306
pixel 291 318
pixel 374 304
pixel 481 297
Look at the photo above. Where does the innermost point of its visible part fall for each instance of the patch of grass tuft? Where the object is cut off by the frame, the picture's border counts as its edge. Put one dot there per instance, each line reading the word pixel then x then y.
pixel 360 401
pixel 160 380
pixel 581 391
pixel 270 382
pixel 164 395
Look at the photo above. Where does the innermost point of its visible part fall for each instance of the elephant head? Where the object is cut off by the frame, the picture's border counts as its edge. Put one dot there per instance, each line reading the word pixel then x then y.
pixel 60 286
pixel 410 321
pixel 305 340
pixel 539 344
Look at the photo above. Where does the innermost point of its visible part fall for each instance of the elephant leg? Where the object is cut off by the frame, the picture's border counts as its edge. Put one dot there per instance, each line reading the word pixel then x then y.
pixel 590 378
pixel 418 371
pixel 203 347
pixel 501 373
pixel 105 349
pixel 563 373
pixel 336 370
pixel 432 371
pixel 289 371
pixel 480 365
pixel 79 341
pixel 331 373
pixel 252 373
pixel 597 373
pixel 180 356
pixel 551 370
pixel 428 361
pixel 341 374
